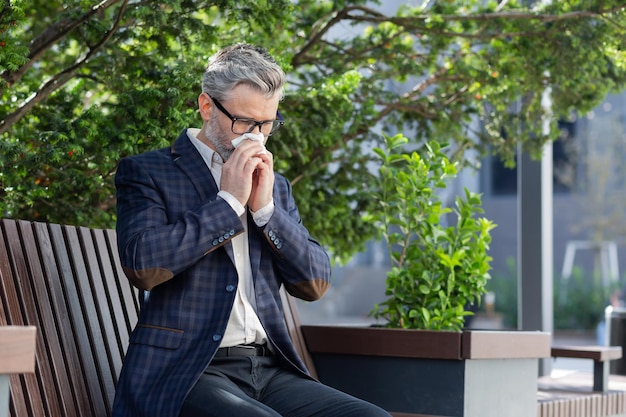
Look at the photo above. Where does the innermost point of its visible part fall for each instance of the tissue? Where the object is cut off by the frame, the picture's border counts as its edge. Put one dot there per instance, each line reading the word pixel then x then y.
pixel 250 136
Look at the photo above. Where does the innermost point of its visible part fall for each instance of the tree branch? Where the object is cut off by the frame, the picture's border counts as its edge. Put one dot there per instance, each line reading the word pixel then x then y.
pixel 48 38
pixel 60 78
pixel 388 107
pixel 417 22
pixel 372 16
pixel 319 29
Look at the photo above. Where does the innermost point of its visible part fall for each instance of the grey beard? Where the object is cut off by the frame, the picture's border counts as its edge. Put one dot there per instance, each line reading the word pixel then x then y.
pixel 218 140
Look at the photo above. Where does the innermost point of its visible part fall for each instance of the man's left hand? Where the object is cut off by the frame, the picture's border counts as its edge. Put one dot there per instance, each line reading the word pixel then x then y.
pixel 262 181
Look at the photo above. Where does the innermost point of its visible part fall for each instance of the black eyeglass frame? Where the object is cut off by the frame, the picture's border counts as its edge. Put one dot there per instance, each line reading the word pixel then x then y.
pixel 276 123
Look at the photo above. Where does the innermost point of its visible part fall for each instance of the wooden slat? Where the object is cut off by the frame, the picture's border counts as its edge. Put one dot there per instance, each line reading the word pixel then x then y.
pixel 82 365
pixel 130 295
pixel 103 327
pixel 52 364
pixel 69 383
pixel 17 405
pixel 119 316
pixel 21 311
pixel 292 319
pixel 85 320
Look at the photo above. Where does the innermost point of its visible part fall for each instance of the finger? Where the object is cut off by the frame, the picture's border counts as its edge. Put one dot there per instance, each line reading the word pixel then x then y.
pixel 253 147
pixel 267 158
pixel 241 158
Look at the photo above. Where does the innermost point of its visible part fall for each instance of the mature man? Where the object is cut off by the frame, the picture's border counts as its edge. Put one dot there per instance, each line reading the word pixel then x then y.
pixel 212 233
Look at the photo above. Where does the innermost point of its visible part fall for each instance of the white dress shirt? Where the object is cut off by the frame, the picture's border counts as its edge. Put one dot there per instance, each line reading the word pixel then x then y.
pixel 244 326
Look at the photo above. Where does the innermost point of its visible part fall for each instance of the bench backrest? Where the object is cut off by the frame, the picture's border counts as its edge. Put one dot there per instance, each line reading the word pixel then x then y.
pixel 67 281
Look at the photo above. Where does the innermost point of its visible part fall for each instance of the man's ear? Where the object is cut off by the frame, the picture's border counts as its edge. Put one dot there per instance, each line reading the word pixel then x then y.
pixel 205 106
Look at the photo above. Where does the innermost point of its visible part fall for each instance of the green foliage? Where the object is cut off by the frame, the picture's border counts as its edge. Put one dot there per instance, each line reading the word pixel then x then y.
pixel 12 53
pixel 83 85
pixel 504 286
pixel 436 269
pixel 579 302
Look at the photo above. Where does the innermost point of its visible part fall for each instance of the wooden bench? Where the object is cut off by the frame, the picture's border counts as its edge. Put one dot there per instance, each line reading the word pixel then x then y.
pixel 68 282
pixel 601 356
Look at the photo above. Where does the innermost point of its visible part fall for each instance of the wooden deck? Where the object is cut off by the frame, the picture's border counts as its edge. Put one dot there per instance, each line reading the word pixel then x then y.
pixel 568 393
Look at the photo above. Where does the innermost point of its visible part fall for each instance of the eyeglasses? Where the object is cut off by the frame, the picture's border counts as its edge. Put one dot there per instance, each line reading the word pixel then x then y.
pixel 243 125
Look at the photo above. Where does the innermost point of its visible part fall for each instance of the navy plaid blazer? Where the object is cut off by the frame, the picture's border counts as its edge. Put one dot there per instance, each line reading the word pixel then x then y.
pixel 174 240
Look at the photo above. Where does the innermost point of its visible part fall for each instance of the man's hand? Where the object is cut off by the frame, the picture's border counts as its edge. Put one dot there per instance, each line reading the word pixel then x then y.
pixel 248 175
pixel 262 182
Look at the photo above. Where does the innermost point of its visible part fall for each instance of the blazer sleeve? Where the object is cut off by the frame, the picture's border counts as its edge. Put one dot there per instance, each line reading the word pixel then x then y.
pixel 162 225
pixel 301 262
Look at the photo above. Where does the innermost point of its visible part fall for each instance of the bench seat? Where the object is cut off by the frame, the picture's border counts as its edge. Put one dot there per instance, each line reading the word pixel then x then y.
pixel 601 356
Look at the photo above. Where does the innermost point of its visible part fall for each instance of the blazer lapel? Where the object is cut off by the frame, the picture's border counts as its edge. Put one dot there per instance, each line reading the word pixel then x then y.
pixel 187 158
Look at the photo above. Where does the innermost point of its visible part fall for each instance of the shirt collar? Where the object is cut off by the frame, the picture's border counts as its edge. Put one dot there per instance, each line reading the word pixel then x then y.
pixel 211 158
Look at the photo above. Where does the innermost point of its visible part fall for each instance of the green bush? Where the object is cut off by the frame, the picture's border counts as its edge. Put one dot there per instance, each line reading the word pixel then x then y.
pixel 437 269
pixel 579 302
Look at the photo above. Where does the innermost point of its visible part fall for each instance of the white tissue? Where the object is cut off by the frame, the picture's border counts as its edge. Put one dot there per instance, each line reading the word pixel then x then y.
pixel 250 136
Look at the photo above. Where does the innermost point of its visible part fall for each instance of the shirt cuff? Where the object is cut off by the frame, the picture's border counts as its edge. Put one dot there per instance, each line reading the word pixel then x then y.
pixel 262 216
pixel 232 202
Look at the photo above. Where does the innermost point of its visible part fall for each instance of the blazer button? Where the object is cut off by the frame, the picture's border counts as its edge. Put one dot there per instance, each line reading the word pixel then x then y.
pixel 232 232
pixel 215 242
pixel 226 235
pixel 221 239
pixel 217 337
pixel 230 288
pixel 271 233
pixel 280 245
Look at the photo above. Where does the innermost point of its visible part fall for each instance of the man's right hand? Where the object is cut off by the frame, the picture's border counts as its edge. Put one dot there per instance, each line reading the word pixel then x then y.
pixel 237 172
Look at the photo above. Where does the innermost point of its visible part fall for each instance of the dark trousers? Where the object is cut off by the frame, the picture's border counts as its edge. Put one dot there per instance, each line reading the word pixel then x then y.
pixel 255 386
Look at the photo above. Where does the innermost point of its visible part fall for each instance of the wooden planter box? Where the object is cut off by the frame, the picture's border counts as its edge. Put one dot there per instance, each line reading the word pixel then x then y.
pixel 468 374
pixel 17 356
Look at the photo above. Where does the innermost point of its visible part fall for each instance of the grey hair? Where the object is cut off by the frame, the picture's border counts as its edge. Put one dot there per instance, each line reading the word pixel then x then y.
pixel 243 64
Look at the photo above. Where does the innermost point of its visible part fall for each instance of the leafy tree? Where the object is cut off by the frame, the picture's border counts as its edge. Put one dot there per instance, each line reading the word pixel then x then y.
pixel 84 84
